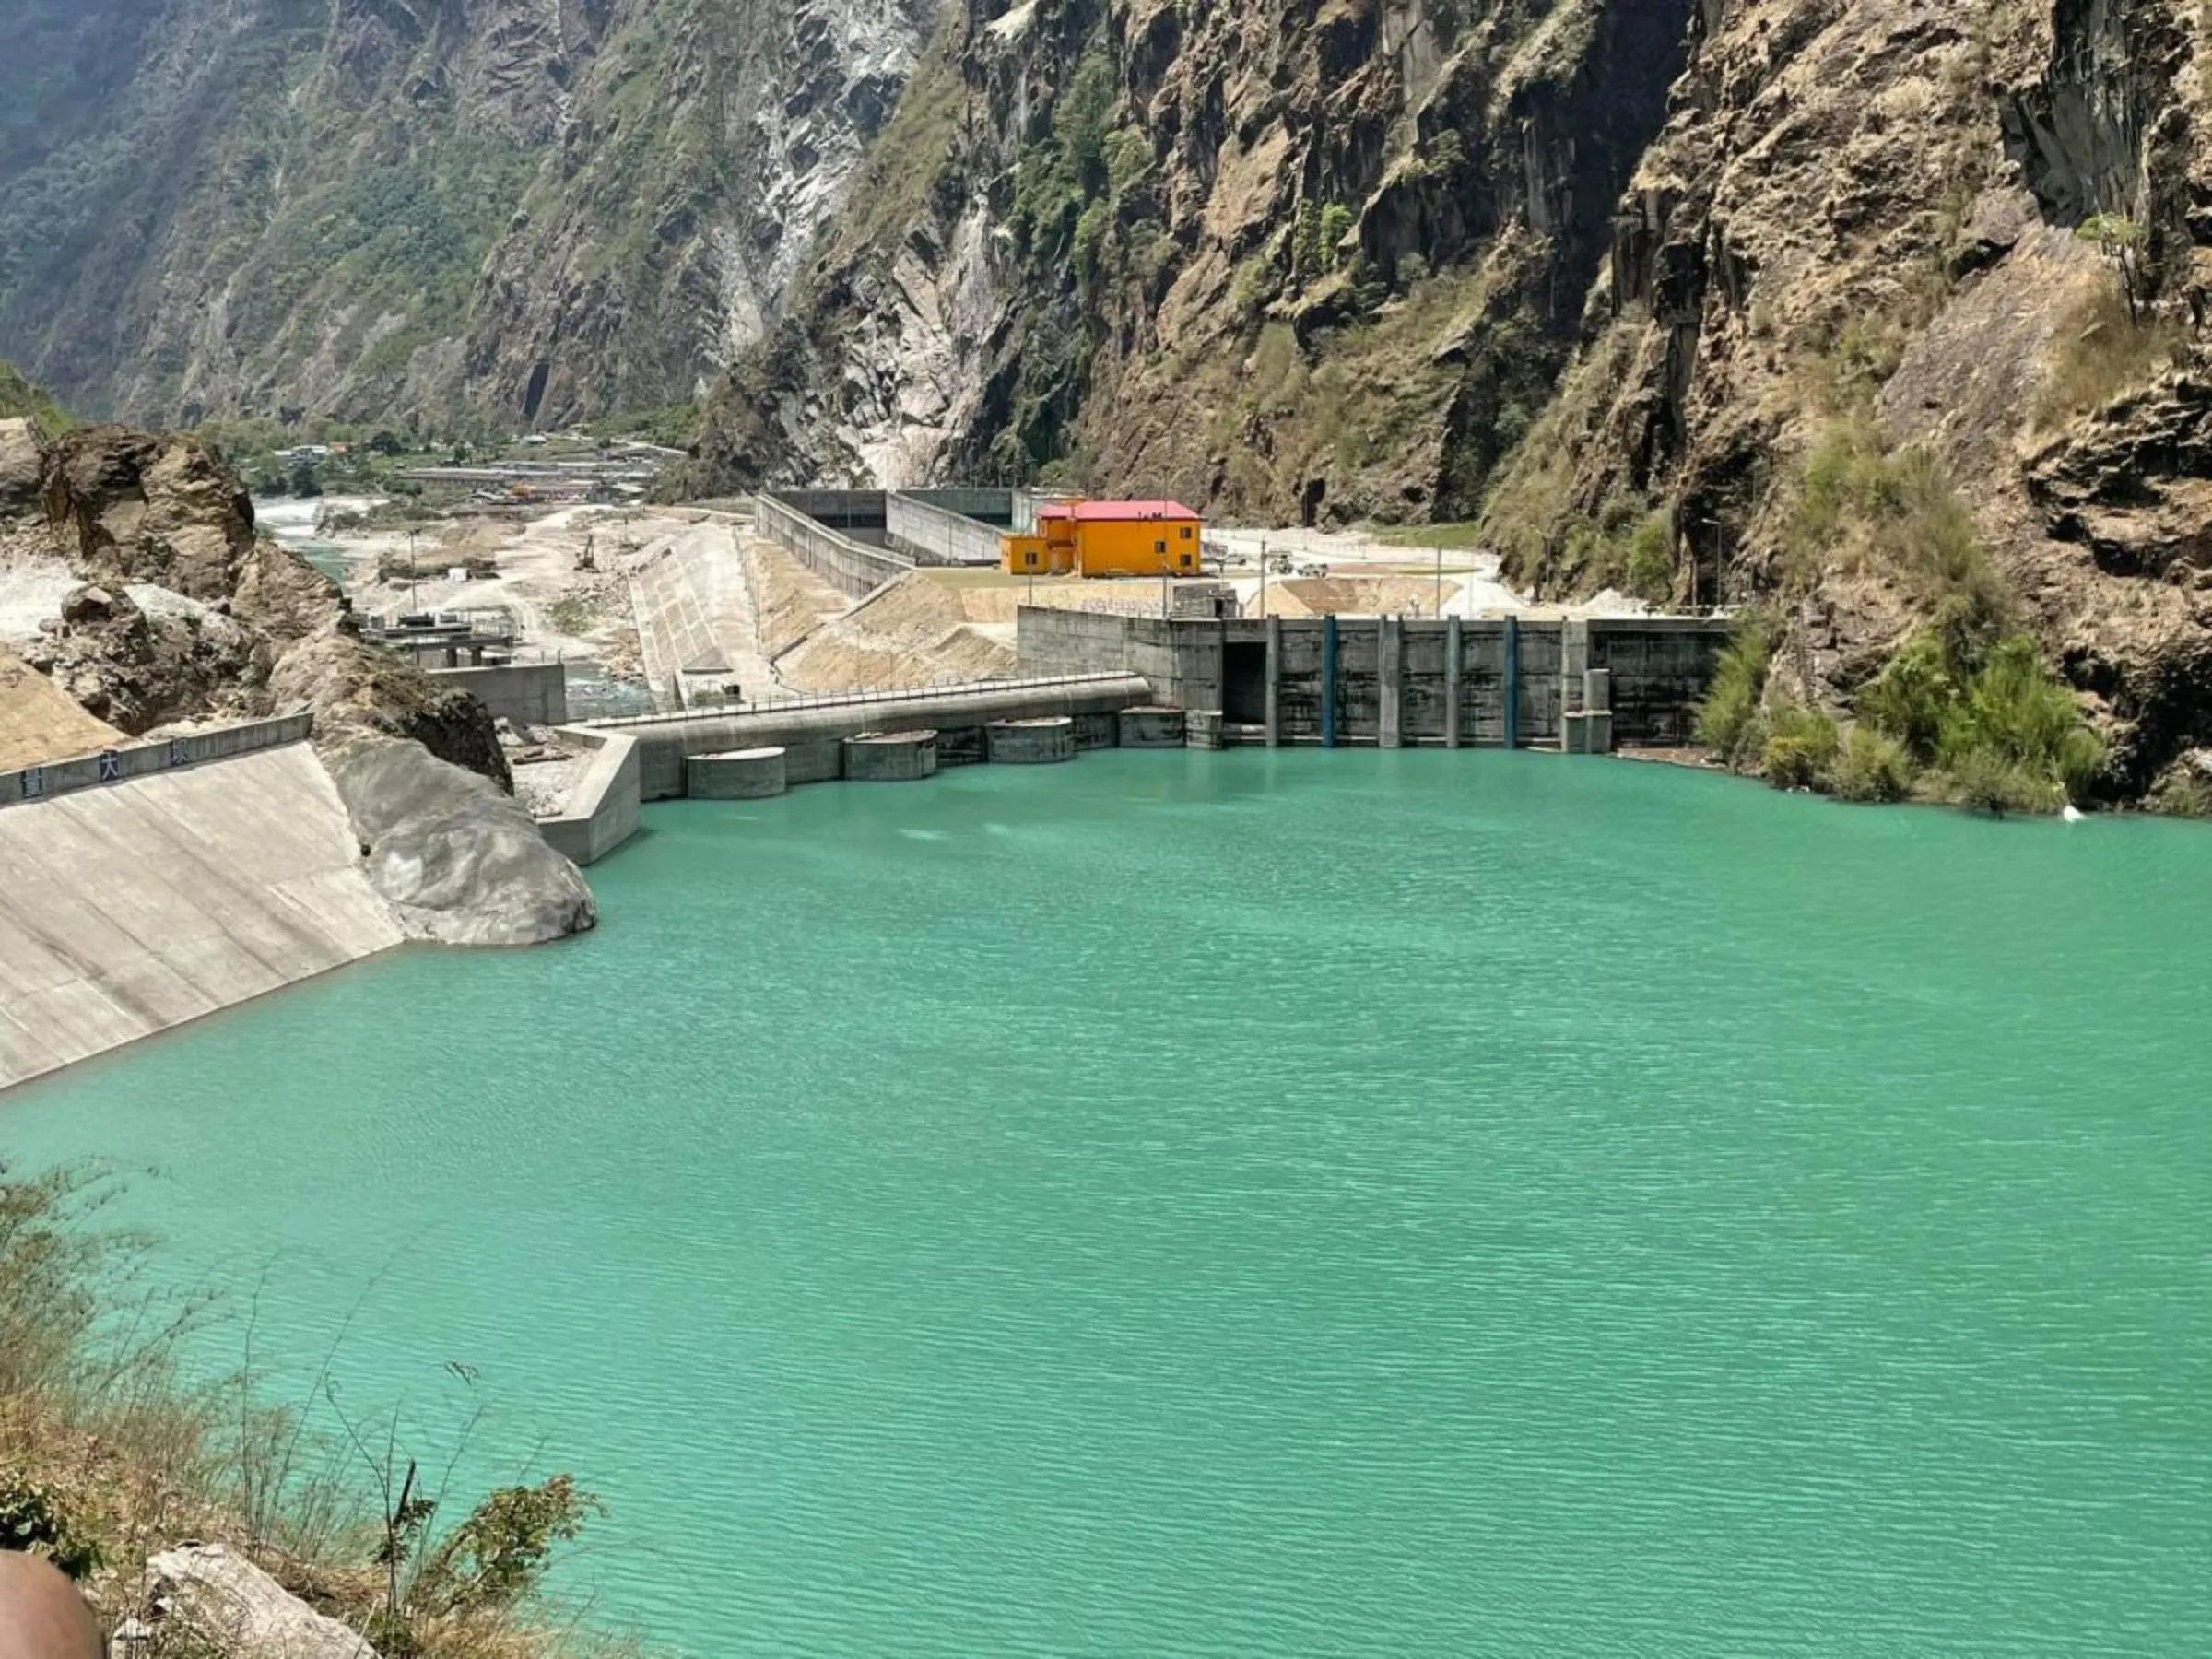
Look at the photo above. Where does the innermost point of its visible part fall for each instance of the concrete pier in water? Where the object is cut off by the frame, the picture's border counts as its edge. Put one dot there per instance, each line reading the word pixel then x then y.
pixel 744 775
pixel 891 757
pixel 1030 741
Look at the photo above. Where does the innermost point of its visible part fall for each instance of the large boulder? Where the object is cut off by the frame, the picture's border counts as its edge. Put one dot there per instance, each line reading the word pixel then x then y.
pixel 206 1599
pixel 282 594
pixel 149 507
pixel 353 688
pixel 139 659
pixel 458 859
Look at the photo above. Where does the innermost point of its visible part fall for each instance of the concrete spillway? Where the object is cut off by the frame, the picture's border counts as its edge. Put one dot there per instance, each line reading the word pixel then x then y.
pixel 133 908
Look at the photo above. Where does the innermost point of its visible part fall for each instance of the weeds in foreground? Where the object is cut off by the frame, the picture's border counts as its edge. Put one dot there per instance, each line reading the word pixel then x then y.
pixel 109 1453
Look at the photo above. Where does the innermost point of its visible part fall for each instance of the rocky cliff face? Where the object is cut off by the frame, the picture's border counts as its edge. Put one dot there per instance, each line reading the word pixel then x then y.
pixel 451 210
pixel 1319 261
pixel 1959 238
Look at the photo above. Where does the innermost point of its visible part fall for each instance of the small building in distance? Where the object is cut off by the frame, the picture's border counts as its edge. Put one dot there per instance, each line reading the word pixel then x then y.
pixel 1108 538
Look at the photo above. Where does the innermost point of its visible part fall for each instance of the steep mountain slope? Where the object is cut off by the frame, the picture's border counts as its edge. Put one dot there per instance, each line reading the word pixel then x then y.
pixel 381 207
pixel 1900 329
pixel 1320 259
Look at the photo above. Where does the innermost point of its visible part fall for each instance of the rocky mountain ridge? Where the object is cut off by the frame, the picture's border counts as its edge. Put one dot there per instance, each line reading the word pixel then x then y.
pixel 1320 261
pixel 462 212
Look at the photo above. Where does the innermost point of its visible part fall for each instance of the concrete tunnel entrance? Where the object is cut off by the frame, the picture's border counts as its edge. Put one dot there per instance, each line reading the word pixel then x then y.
pixel 1244 683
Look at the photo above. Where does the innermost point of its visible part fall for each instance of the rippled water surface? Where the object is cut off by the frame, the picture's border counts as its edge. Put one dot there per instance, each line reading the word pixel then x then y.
pixel 1275 1205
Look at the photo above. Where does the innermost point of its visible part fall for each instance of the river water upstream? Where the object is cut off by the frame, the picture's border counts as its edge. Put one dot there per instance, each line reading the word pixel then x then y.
pixel 1260 1204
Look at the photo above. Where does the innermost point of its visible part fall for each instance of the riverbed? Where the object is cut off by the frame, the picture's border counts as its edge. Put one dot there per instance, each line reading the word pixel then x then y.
pixel 1270 1203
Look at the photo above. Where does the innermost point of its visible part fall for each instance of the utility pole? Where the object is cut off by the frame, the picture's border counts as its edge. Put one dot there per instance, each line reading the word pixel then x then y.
pixel 413 603
pixel 1262 576
pixel 1440 580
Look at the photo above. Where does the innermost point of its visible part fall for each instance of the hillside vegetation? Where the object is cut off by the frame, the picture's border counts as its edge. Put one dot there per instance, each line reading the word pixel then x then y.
pixel 20 399
pixel 484 215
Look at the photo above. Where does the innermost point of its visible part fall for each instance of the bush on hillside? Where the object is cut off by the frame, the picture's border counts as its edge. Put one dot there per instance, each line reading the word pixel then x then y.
pixel 1729 719
pixel 1801 749
pixel 2006 734
pixel 1872 769
pixel 1910 698
pixel 2101 349
pixel 2014 710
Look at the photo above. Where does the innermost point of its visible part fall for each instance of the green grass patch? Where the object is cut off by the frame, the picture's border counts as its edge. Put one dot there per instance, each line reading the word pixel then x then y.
pixel 1463 537
pixel 23 399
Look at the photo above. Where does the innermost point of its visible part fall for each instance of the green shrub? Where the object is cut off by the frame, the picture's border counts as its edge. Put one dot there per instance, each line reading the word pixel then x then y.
pixel 1873 768
pixel 2007 735
pixel 1801 749
pixel 2016 711
pixel 1648 570
pixel 35 1520
pixel 1981 781
pixel 1729 722
pixel 1909 700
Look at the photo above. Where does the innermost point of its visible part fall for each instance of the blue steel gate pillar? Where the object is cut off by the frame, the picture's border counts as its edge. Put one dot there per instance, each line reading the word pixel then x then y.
pixel 1512 682
pixel 1328 682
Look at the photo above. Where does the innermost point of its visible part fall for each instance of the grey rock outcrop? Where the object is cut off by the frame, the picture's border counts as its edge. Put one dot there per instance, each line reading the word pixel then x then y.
pixel 354 688
pixel 214 1599
pixel 459 861
pixel 22 467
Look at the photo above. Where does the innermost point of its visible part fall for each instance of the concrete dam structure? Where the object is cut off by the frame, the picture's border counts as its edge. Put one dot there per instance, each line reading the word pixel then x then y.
pixel 816 734
pixel 148 900
pixel 1511 682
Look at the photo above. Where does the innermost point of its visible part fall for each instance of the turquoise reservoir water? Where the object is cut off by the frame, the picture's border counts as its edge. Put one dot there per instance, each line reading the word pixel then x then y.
pixel 1276 1204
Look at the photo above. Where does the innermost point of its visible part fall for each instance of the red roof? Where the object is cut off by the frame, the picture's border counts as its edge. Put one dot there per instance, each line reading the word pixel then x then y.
pixel 1098 512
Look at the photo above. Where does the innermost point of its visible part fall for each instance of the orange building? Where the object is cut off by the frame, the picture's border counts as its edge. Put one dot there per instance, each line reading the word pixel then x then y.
pixel 1108 538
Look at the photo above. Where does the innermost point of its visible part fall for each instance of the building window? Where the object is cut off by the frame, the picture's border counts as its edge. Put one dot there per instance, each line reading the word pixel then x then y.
pixel 1160 546
pixel 1030 560
pixel 1186 533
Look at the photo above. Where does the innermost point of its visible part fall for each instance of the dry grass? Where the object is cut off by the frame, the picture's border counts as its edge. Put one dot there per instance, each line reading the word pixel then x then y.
pixel 39 722
pixel 2100 352
pixel 115 1453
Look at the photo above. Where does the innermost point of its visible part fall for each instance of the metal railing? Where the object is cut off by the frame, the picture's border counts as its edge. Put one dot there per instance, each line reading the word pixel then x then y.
pixel 853 700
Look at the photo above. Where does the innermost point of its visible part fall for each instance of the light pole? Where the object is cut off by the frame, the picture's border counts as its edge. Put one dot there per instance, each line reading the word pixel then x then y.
pixel 413 603
pixel 1262 576
pixel 1440 580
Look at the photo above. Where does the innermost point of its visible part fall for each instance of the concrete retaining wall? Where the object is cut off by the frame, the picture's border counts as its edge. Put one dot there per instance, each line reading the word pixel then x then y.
pixel 849 566
pixel 144 760
pixel 811 734
pixel 1394 682
pixel 520 693
pixel 936 532
pixel 128 910
pixel 602 807
pixel 1152 728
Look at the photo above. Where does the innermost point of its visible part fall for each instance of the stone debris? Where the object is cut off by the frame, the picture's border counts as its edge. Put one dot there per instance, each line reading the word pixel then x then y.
pixel 223 1600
